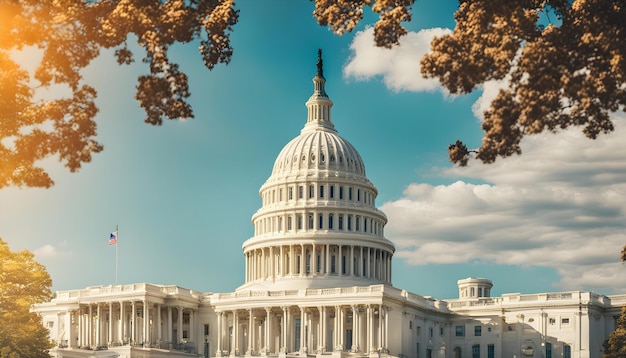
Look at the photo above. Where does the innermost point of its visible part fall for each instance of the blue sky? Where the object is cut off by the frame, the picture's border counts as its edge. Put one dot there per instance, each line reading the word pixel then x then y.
pixel 183 194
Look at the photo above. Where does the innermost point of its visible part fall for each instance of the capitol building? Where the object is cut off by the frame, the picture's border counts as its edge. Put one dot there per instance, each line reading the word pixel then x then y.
pixel 319 283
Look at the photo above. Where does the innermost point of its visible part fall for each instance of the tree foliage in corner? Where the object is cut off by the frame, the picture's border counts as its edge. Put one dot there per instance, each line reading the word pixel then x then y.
pixel 615 346
pixel 23 282
pixel 564 62
pixel 71 33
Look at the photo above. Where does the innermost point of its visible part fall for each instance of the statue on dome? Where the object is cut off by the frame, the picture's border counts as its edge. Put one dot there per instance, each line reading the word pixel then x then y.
pixel 320 64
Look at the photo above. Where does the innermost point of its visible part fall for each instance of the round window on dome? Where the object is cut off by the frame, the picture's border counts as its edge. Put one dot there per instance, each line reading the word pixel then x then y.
pixel 312 157
pixel 332 158
pixel 322 157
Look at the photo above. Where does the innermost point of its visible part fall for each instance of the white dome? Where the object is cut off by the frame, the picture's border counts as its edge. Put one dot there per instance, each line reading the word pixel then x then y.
pixel 318 149
pixel 318 225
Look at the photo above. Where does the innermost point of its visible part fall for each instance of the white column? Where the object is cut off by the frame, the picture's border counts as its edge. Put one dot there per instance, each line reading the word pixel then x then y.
pixel 302 261
pixel 179 329
pixel 314 261
pixel 284 331
pixel 80 326
pixel 250 332
pixel 159 323
pixel 169 326
pixel 292 260
pixel 355 328
pixel 302 330
pixel 110 332
pixel 218 352
pixel 235 349
pixel 133 320
pixel 263 264
pixel 272 270
pixel 122 336
pixel 268 330
pixel 370 328
pixel 281 261
pixel 340 261
pixel 98 325
pixel 146 322
pixel 351 260
pixel 380 326
pixel 90 341
pixel 385 343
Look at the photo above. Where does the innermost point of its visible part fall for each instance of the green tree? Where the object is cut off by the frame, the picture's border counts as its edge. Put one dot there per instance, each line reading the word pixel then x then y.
pixel 23 282
pixel 615 346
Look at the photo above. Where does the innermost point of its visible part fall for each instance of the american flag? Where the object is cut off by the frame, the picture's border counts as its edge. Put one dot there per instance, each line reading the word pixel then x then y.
pixel 113 238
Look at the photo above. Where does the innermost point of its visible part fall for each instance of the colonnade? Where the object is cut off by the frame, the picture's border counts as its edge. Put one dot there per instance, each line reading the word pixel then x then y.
pixel 318 259
pixel 304 329
pixel 137 323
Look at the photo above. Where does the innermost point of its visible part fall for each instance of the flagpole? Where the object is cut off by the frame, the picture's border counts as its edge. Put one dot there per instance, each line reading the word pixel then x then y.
pixel 117 242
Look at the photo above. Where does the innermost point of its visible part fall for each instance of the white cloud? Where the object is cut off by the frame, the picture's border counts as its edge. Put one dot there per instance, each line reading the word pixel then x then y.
pixel 561 205
pixel 45 252
pixel 398 66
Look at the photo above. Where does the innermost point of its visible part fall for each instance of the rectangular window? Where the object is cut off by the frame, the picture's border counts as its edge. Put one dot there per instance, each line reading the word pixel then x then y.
pixel 185 334
pixel 299 222
pixel 330 221
pixel 341 193
pixel 321 221
pixel 358 195
pixel 491 351
pixel 430 332
pixel 290 193
pixel 441 331
pixel 340 222
pixel 349 222
pixel 289 223
pixel 459 331
pixel 476 351
pixel 343 265
pixel 332 191
pixel 564 320
pixel 567 351
pixel 350 193
pixel 300 192
pixel 319 263
pixel 185 318
pixel 552 320
pixel 356 225
pixel 429 353
pixel 410 324
pixel 548 350
pixel 332 264
pixel 206 329
pixel 298 327
pixel 311 191
pixel 311 222
pixel 321 191
pixel 280 194
pixel 419 330
pixel 478 330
